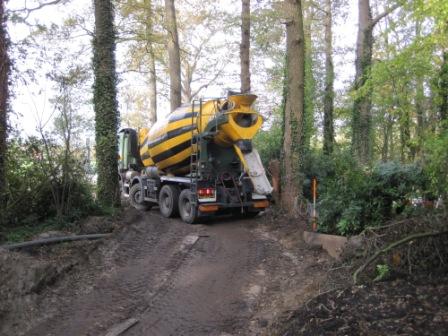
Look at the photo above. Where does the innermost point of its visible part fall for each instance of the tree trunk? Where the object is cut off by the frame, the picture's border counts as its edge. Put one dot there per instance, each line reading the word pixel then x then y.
pixel 105 104
pixel 173 55
pixel 443 91
pixel 362 136
pixel 67 127
pixel 152 87
pixel 432 117
pixel 387 132
pixel 245 46
pixel 152 64
pixel 362 119
pixel 186 82
pixel 294 102
pixel 329 80
pixel 420 111
pixel 4 96
pixel 275 170
pixel 419 101
pixel 310 82
pixel 405 134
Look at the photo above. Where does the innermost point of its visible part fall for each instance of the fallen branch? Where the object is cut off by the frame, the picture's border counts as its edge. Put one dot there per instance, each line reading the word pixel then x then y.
pixel 374 228
pixel 54 240
pixel 391 246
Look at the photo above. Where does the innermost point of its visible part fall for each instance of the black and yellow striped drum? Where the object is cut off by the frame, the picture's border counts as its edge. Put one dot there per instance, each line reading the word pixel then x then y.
pixel 168 144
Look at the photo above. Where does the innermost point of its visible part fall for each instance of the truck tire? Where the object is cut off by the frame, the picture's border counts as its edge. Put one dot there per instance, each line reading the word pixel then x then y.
pixel 134 198
pixel 188 211
pixel 169 200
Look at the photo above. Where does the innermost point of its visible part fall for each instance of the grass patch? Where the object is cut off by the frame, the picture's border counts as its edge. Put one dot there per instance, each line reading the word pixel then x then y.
pixel 26 232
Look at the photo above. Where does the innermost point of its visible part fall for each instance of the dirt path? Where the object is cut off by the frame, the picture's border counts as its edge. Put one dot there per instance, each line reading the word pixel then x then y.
pixel 230 277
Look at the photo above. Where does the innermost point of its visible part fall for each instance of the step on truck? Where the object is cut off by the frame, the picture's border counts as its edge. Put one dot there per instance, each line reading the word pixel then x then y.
pixel 197 161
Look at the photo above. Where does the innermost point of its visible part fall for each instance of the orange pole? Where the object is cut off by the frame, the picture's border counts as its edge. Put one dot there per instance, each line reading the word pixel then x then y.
pixel 314 191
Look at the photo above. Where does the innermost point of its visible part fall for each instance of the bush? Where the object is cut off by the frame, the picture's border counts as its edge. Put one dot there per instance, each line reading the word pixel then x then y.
pixel 34 185
pixel 436 164
pixel 269 143
pixel 352 198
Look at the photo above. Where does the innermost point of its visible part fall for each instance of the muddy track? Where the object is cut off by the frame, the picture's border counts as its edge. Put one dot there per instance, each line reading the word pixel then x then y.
pixel 224 278
pixel 175 278
pixel 204 292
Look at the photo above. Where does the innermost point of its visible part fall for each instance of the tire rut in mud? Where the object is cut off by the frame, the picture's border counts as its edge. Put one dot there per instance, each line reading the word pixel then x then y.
pixel 151 271
pixel 117 281
pixel 203 295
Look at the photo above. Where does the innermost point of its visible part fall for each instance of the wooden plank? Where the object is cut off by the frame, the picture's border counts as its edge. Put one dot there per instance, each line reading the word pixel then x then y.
pixel 334 245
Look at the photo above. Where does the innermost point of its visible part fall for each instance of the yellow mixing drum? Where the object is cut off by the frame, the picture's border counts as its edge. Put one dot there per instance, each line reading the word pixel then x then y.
pixel 168 145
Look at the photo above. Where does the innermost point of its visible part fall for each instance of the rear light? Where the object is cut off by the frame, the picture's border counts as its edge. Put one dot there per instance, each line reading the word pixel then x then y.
pixel 206 192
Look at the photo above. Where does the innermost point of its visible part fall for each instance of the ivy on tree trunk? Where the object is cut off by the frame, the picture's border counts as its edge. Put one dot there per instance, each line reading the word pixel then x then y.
pixel 443 90
pixel 309 82
pixel 4 96
pixel 419 100
pixel 329 80
pixel 362 119
pixel 105 104
pixel 362 137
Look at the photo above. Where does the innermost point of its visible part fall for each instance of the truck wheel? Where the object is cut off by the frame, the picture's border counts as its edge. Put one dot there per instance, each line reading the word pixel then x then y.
pixel 188 211
pixel 169 200
pixel 134 198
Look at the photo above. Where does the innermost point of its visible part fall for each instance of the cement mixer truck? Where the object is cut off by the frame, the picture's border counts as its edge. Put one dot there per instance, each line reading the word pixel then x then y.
pixel 197 161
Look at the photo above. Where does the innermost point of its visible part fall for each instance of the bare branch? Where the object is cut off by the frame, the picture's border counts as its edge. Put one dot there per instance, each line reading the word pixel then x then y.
pixel 315 5
pixel 384 14
pixel 195 93
pixel 40 6
pixel 392 246
pixel 28 11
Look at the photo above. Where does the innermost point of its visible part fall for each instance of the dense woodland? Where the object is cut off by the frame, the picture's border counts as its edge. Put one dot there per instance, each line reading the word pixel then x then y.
pixel 369 119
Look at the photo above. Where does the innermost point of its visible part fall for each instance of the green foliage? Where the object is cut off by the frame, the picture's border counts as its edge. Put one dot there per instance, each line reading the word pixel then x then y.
pixel 437 163
pixel 383 272
pixel 269 143
pixel 34 192
pixel 340 183
pixel 28 231
pixel 437 9
pixel 350 218
pixel 28 189
pixel 352 198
